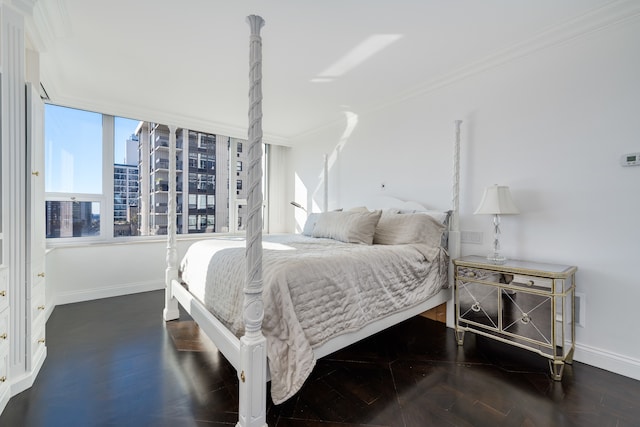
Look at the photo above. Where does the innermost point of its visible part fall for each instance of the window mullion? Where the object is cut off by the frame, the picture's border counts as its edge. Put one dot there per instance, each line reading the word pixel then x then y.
pixel 106 214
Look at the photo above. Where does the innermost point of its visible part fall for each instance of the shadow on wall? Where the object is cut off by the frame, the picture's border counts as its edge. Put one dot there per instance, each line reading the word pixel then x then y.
pixel 319 196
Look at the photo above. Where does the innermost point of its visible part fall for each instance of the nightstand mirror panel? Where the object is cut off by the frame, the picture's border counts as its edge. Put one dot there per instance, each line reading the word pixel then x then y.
pixel 528 316
pixel 478 303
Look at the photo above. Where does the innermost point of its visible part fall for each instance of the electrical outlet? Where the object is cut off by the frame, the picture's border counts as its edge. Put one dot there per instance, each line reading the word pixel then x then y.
pixel 474 237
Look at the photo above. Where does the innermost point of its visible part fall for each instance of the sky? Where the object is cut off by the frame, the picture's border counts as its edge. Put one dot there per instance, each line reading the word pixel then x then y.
pixel 73 149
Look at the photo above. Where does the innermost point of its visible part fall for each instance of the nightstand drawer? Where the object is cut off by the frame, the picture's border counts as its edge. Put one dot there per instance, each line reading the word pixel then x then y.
pixel 477 274
pixel 531 281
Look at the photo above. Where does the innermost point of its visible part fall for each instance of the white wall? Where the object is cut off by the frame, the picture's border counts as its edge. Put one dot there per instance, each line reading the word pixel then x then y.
pixel 552 125
pixel 86 272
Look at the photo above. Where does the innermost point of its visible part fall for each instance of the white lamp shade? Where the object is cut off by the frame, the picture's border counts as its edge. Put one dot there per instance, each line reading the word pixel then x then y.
pixel 497 200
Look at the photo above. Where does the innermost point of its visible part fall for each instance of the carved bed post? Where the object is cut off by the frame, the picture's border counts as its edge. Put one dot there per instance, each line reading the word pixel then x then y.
pixel 454 225
pixel 171 311
pixel 325 172
pixel 455 192
pixel 253 355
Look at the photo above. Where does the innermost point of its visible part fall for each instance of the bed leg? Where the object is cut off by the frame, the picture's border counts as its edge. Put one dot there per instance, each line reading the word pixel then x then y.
pixel 252 411
pixel 171 311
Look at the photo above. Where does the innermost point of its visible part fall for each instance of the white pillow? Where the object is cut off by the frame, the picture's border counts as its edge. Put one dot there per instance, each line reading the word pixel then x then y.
pixel 310 224
pixel 349 226
pixel 359 209
pixel 399 229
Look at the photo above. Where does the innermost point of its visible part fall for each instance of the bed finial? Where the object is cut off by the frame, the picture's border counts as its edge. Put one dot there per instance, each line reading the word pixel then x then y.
pixel 255 24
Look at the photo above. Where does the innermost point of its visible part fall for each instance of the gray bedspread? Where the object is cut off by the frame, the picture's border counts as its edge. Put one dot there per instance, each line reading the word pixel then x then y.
pixel 314 289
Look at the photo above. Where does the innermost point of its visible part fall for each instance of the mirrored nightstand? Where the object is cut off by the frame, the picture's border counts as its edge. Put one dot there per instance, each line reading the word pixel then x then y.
pixel 526 304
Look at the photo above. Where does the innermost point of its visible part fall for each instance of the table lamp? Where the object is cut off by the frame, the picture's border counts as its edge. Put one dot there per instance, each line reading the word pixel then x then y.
pixel 497 201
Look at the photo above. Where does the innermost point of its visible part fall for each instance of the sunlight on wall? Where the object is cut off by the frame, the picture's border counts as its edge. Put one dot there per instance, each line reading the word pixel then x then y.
pixel 356 56
pixel 352 122
pixel 313 201
pixel 300 193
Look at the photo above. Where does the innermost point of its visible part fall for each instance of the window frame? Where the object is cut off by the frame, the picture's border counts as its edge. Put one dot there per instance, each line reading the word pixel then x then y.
pixel 106 198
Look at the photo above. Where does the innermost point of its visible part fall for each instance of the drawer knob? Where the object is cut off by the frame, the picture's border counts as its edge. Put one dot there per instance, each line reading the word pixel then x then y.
pixel 41 341
pixel 530 283
pixel 3 293
pixel 476 307
pixel 40 274
pixel 3 379
pixel 3 336
pixel 525 318
pixel 471 274
pixel 41 307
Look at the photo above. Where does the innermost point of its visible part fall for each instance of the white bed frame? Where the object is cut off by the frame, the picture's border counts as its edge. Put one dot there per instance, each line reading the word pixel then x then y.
pixel 248 354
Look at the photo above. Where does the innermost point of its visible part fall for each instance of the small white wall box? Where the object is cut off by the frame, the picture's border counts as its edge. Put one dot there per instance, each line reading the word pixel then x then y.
pixel 631 159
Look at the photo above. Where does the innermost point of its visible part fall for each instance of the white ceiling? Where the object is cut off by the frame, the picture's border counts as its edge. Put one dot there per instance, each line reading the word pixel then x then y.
pixel 186 62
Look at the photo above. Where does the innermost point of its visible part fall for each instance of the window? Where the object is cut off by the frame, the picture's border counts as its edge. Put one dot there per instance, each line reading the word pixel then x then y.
pixel 126 149
pixel 72 219
pixel 108 177
pixel 73 179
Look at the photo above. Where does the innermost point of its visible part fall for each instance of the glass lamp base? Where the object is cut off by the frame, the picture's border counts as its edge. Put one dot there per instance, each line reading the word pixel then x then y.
pixel 496 258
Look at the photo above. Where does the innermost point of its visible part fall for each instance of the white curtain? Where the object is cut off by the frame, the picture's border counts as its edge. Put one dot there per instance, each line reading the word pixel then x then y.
pixel 280 190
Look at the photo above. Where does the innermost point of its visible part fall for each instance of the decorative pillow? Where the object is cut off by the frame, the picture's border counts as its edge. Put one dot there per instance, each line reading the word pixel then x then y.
pixel 359 209
pixel 310 224
pixel 349 226
pixel 399 229
pixel 441 216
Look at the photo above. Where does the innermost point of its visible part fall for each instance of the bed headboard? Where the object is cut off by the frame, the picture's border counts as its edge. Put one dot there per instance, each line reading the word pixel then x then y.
pixel 389 202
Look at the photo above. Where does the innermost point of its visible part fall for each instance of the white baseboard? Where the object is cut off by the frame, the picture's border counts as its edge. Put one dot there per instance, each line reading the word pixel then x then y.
pixel 106 292
pixel 24 381
pixel 604 359
pixel 4 399
pixel 607 360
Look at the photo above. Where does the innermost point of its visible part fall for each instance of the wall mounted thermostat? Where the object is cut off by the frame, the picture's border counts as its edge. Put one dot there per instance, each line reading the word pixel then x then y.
pixel 631 159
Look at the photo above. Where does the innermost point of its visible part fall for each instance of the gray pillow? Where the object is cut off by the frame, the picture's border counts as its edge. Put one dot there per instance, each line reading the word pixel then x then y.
pixel 399 229
pixel 348 226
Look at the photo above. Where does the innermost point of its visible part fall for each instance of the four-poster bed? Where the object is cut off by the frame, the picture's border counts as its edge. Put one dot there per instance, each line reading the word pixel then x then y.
pixel 248 354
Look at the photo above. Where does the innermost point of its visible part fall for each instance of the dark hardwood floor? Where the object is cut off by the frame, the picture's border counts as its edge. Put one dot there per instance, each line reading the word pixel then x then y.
pixel 114 362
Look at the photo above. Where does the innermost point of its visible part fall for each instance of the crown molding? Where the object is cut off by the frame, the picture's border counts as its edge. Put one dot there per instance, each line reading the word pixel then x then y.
pixel 24 6
pixel 48 23
pixel 607 16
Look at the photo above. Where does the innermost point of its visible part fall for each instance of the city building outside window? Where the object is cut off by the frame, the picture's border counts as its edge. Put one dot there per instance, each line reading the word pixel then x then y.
pixel 104 170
